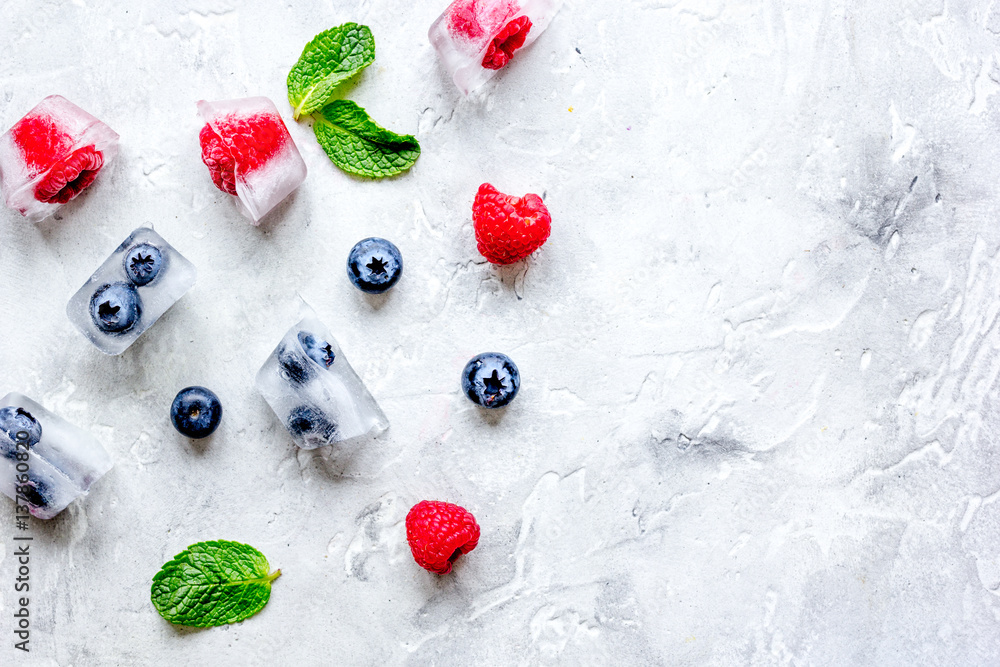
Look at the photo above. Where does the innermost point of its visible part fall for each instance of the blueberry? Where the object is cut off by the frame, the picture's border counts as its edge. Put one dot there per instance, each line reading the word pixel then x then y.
pixel 374 265
pixel 142 263
pixel 491 380
pixel 318 350
pixel 196 412
pixel 311 425
pixel 294 366
pixel 35 492
pixel 17 424
pixel 115 308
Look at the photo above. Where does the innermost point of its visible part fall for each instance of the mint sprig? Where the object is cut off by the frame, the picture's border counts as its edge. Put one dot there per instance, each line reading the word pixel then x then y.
pixel 332 57
pixel 352 140
pixel 358 145
pixel 213 583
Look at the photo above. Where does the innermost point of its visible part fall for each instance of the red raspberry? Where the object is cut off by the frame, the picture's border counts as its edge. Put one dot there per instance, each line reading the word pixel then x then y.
pixel 70 176
pixel 240 146
pixel 439 533
pixel 508 228
pixel 42 142
pixel 507 41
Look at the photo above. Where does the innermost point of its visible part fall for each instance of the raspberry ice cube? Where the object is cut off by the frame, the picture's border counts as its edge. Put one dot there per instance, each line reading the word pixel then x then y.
pixel 45 462
pixel 249 153
pixel 476 38
pixel 139 282
pixel 313 390
pixel 51 155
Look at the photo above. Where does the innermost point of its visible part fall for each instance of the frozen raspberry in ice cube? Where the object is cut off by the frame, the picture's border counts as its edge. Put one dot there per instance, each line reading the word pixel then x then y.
pixel 249 153
pixel 51 155
pixel 475 38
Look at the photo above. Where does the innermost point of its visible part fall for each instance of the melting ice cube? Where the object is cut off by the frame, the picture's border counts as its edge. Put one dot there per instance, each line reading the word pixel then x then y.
pixel 476 38
pixel 139 282
pixel 45 462
pixel 249 153
pixel 314 391
pixel 51 155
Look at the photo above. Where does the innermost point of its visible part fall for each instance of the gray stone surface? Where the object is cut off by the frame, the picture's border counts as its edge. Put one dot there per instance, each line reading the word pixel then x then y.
pixel 760 352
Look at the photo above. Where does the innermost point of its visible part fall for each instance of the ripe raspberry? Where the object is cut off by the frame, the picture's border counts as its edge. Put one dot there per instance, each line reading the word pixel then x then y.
pixel 238 146
pixel 509 40
pixel 508 228
pixel 439 533
pixel 70 177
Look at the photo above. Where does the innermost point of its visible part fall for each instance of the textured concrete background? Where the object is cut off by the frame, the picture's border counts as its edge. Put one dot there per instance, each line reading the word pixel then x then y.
pixel 760 351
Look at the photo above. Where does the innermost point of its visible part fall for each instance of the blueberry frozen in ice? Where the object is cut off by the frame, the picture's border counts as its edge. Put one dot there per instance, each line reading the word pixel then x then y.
pixel 310 425
pixel 196 412
pixel 249 153
pixel 374 265
pixel 52 155
pixel 142 263
pixel 129 292
pixel 62 461
pixel 476 38
pixel 17 425
pixel 491 379
pixel 313 390
pixel 115 308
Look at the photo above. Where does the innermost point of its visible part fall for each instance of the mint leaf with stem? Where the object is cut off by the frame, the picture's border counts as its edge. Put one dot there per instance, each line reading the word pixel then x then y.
pixel 358 145
pixel 332 57
pixel 213 583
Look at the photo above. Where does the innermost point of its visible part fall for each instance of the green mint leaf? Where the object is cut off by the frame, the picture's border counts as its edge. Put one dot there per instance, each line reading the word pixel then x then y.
pixel 328 60
pixel 359 146
pixel 213 583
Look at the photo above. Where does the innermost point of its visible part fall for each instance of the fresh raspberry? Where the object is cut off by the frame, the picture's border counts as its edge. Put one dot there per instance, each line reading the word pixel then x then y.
pixel 508 228
pixel 439 533
pixel 509 40
pixel 239 146
pixel 70 176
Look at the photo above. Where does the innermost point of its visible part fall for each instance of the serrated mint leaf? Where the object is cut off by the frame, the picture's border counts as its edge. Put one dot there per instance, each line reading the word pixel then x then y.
pixel 359 146
pixel 332 57
pixel 213 583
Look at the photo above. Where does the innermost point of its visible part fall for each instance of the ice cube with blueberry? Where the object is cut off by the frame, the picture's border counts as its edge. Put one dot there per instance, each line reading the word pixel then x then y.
pixel 476 38
pixel 45 462
pixel 313 390
pixel 51 155
pixel 139 282
pixel 249 153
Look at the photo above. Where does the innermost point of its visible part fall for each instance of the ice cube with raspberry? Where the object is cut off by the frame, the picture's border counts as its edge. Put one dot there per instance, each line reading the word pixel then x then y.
pixel 249 153
pixel 476 38
pixel 45 462
pixel 313 390
pixel 52 155
pixel 139 282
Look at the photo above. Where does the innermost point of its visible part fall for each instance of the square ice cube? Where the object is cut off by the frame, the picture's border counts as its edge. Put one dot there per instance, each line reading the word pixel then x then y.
pixel 313 390
pixel 139 282
pixel 250 153
pixel 44 459
pixel 476 38
pixel 51 155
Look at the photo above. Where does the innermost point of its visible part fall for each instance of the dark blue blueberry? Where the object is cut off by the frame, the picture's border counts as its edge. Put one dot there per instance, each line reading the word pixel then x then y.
pixel 491 380
pixel 17 424
pixel 196 412
pixel 142 263
pixel 311 425
pixel 318 350
pixel 294 366
pixel 374 265
pixel 115 308
pixel 35 492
